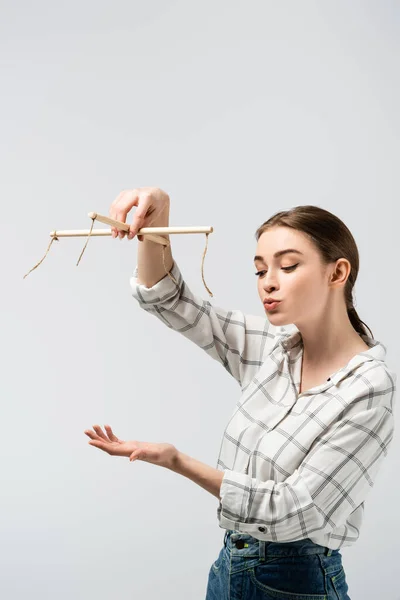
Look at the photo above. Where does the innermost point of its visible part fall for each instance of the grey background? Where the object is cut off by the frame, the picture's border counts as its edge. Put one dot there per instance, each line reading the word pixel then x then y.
pixel 237 110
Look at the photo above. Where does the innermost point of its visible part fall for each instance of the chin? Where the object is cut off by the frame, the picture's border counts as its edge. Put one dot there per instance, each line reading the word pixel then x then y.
pixel 274 316
pixel 278 319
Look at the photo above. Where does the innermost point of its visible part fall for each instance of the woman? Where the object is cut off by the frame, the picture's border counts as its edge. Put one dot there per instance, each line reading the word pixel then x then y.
pixel 314 420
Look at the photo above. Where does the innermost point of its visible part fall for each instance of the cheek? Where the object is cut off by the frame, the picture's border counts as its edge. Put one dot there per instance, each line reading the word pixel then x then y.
pixel 298 283
pixel 298 288
pixel 307 289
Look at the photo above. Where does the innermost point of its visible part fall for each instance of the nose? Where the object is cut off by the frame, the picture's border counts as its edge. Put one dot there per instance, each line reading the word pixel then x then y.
pixel 269 284
pixel 269 289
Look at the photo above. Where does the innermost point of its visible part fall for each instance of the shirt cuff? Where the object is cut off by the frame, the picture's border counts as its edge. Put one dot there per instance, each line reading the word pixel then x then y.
pixel 233 506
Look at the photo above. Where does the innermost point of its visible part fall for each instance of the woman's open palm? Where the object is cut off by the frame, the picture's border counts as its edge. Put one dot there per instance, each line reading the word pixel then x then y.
pixel 157 453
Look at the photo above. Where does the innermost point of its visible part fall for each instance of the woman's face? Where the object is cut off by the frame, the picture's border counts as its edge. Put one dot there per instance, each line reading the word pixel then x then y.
pixel 298 279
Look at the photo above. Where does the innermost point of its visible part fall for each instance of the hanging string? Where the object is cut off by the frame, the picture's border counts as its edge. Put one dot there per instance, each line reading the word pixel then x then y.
pixel 166 243
pixel 155 238
pixel 54 238
pixel 202 266
pixel 84 247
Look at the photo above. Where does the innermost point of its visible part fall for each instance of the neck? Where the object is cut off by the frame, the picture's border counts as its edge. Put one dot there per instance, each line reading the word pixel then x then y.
pixel 327 337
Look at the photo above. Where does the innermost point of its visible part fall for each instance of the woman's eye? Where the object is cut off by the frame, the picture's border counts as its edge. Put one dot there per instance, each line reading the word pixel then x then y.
pixel 291 268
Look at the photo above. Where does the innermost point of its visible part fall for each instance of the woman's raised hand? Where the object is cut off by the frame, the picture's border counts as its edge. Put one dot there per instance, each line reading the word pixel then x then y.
pixel 151 202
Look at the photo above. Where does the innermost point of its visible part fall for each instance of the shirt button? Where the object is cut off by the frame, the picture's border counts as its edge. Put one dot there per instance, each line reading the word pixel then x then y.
pixel 262 529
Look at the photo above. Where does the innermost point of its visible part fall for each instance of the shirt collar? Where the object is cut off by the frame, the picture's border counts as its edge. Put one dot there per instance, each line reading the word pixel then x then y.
pixel 290 338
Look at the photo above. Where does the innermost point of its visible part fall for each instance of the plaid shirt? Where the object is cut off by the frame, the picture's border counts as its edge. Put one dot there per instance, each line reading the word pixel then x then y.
pixel 295 465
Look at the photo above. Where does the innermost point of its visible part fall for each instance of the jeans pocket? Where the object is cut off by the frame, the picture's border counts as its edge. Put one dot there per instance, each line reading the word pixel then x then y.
pixel 216 566
pixel 290 578
pixel 338 585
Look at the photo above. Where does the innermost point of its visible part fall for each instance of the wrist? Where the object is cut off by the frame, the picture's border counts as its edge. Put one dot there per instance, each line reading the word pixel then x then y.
pixel 176 461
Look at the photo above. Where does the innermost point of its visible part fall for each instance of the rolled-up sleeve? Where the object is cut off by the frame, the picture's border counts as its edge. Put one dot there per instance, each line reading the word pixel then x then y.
pixel 331 482
pixel 235 340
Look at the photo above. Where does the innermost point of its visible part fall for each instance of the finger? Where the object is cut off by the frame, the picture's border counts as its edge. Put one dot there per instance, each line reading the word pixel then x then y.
pixel 110 433
pixel 121 206
pixel 101 445
pixel 100 433
pixel 135 455
pixel 92 434
pixel 129 199
pixel 139 217
pixel 112 212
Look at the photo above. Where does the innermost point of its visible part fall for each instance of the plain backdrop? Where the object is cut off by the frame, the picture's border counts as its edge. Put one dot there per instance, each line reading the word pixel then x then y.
pixel 237 110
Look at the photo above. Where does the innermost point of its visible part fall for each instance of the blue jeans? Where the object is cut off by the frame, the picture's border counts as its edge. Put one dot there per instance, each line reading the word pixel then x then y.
pixel 250 569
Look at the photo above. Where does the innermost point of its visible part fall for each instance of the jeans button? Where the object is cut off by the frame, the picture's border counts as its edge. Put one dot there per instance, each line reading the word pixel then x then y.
pixel 239 544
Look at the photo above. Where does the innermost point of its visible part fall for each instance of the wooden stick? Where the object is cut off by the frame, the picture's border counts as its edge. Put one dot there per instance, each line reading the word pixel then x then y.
pixel 143 231
pixel 79 232
pixel 125 227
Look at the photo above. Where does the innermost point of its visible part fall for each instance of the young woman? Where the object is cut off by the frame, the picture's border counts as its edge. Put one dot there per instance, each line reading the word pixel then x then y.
pixel 314 420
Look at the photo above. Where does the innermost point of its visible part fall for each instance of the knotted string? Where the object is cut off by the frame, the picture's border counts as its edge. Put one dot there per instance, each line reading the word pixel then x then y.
pixel 54 238
pixel 154 238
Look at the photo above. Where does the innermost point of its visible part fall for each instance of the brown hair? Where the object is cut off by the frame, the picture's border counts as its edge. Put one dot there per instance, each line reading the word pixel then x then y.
pixel 331 238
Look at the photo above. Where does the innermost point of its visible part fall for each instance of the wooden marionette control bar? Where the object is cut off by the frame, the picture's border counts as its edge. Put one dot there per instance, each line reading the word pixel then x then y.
pixel 125 227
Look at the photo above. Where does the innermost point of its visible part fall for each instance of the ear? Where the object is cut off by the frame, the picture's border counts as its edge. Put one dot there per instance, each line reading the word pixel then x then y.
pixel 340 272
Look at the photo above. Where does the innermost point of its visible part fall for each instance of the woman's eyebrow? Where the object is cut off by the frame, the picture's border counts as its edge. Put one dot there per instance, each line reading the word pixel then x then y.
pixel 279 253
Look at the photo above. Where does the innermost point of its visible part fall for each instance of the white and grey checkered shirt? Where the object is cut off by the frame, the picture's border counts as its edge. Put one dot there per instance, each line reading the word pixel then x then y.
pixel 295 465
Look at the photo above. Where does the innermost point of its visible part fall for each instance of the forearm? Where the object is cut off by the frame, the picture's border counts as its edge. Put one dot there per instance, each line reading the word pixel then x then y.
pixel 150 255
pixel 207 477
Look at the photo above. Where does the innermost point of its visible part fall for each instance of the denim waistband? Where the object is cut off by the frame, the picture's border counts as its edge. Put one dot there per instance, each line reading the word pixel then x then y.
pixel 244 544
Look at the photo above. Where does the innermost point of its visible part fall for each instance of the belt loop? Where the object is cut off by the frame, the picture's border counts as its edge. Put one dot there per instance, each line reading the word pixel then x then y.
pixel 328 551
pixel 262 549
